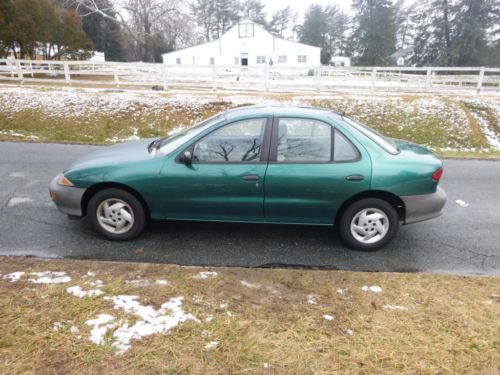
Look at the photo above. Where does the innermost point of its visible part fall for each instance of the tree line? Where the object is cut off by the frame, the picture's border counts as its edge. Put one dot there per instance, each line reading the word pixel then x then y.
pixel 426 32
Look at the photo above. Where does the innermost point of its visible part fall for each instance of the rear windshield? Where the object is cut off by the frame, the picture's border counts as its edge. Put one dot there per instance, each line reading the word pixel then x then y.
pixel 375 136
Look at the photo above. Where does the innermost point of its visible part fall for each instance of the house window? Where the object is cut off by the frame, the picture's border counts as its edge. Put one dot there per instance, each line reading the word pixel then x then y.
pixel 178 61
pixel 245 30
pixel 212 61
pixel 301 58
pixel 261 59
pixel 282 59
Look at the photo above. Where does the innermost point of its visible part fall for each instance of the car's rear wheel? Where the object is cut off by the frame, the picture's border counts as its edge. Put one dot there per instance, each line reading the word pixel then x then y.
pixel 116 214
pixel 368 224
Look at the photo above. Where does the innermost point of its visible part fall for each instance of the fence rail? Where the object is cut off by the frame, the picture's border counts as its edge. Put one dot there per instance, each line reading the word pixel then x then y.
pixel 265 78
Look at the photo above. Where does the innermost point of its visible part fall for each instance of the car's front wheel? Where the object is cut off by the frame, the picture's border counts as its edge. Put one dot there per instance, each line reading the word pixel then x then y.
pixel 368 224
pixel 116 214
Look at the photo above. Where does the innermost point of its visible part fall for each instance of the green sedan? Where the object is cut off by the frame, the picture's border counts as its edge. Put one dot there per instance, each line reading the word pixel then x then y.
pixel 266 164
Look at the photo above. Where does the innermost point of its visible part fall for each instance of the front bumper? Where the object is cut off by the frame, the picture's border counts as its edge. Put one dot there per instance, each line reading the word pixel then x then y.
pixel 424 207
pixel 68 199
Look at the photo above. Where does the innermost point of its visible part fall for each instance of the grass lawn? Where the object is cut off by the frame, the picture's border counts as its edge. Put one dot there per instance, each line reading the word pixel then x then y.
pixel 236 320
pixel 453 126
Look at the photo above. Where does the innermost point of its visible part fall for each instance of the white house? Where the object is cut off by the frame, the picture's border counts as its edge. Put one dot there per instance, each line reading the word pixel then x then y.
pixel 247 44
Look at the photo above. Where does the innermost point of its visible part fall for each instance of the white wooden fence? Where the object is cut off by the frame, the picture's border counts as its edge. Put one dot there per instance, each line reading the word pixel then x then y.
pixel 265 78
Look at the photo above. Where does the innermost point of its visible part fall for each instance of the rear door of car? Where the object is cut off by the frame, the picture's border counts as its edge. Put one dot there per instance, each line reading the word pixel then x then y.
pixel 313 168
pixel 225 181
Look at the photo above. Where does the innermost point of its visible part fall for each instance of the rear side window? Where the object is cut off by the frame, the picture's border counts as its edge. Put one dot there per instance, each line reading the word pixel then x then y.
pixel 234 143
pixel 303 140
pixel 343 149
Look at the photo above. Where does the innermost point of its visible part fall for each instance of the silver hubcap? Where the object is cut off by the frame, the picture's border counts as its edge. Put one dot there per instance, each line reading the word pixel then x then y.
pixel 369 225
pixel 115 216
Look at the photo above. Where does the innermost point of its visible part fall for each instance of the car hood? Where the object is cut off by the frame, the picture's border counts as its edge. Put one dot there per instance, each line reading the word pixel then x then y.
pixel 117 154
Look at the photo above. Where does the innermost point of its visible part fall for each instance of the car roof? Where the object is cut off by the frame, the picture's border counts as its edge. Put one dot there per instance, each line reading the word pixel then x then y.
pixel 279 110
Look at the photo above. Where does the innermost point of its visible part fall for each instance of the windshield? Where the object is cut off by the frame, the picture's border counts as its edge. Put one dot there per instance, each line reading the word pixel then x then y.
pixel 375 136
pixel 171 142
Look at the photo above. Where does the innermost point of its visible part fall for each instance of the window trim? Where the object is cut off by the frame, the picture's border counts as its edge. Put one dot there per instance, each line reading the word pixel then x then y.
pixel 273 152
pixel 264 155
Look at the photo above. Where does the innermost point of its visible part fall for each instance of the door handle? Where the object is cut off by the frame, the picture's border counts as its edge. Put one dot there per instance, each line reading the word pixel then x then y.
pixel 250 177
pixel 355 177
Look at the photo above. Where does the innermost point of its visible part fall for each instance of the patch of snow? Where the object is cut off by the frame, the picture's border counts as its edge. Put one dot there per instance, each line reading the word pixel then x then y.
pixel 461 203
pixel 100 326
pixel 74 329
pixel 78 292
pixel 223 305
pixel 90 273
pixel 205 333
pixel 394 307
pixel 13 277
pixel 328 317
pixel 374 289
pixel 205 275
pixel 49 277
pixel 229 313
pixel 211 345
pixel 209 318
pixel 18 200
pixel 249 285
pixel 57 326
pixel 311 299
pixel 341 291
pixel 266 365
pixel 350 332
pixel 152 321
pixel 161 282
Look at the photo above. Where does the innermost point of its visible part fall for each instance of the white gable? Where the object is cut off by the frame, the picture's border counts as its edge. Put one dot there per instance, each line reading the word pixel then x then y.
pixel 247 43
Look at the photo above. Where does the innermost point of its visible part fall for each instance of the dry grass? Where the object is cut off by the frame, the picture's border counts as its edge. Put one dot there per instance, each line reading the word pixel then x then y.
pixel 450 323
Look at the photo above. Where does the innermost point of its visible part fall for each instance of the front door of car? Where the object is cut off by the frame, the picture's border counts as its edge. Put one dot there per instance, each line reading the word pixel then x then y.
pixel 313 168
pixel 225 179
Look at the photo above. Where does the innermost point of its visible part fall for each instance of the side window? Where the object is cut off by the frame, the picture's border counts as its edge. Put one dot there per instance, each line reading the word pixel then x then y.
pixel 343 149
pixel 304 140
pixel 237 142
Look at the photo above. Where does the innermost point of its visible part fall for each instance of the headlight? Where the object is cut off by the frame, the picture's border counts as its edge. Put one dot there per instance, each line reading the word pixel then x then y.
pixel 64 181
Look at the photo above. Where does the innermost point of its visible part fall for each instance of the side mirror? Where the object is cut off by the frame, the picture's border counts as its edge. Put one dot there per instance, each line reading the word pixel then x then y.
pixel 187 157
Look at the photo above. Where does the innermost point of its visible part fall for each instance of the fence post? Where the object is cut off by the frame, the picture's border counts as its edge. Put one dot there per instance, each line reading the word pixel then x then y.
pixel 164 77
pixel 19 71
pixel 116 78
pixel 67 76
pixel 214 77
pixel 374 76
pixel 267 77
pixel 480 80
pixel 428 78
pixel 318 79
pixel 12 68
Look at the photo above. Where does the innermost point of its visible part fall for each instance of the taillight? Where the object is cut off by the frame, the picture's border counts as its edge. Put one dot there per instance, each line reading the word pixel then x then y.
pixel 436 176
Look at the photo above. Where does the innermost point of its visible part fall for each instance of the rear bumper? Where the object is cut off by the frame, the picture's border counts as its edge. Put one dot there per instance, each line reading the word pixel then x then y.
pixel 424 207
pixel 67 199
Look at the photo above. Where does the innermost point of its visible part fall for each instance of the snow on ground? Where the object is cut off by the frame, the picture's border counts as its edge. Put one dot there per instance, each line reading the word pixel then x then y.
pixel 205 275
pixel 13 277
pixel 80 293
pixel 100 325
pixel 49 277
pixel 328 317
pixel 211 345
pixel 461 203
pixel 394 307
pixel 374 289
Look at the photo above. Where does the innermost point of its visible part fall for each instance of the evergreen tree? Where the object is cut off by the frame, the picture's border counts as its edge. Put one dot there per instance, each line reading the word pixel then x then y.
pixel 280 21
pixel 226 15
pixel 374 34
pixel 254 10
pixel 473 19
pixel 204 13
pixel 315 31
pixel 106 35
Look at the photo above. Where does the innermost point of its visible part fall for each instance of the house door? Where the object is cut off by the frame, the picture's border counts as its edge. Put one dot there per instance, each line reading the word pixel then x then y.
pixel 244 59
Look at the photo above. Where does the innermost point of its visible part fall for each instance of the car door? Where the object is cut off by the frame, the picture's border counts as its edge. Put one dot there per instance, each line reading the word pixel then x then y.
pixel 313 168
pixel 225 178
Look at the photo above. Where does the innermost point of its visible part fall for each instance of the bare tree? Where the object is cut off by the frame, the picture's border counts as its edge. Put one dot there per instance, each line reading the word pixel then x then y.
pixel 151 24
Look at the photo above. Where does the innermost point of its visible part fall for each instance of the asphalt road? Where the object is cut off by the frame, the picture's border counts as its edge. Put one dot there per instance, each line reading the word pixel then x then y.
pixel 463 240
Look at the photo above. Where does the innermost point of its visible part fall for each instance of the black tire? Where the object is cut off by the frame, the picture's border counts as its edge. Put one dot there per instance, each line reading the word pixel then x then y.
pixel 356 207
pixel 138 214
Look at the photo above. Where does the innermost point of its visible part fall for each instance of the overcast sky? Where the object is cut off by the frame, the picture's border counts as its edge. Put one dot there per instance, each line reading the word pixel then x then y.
pixel 300 6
